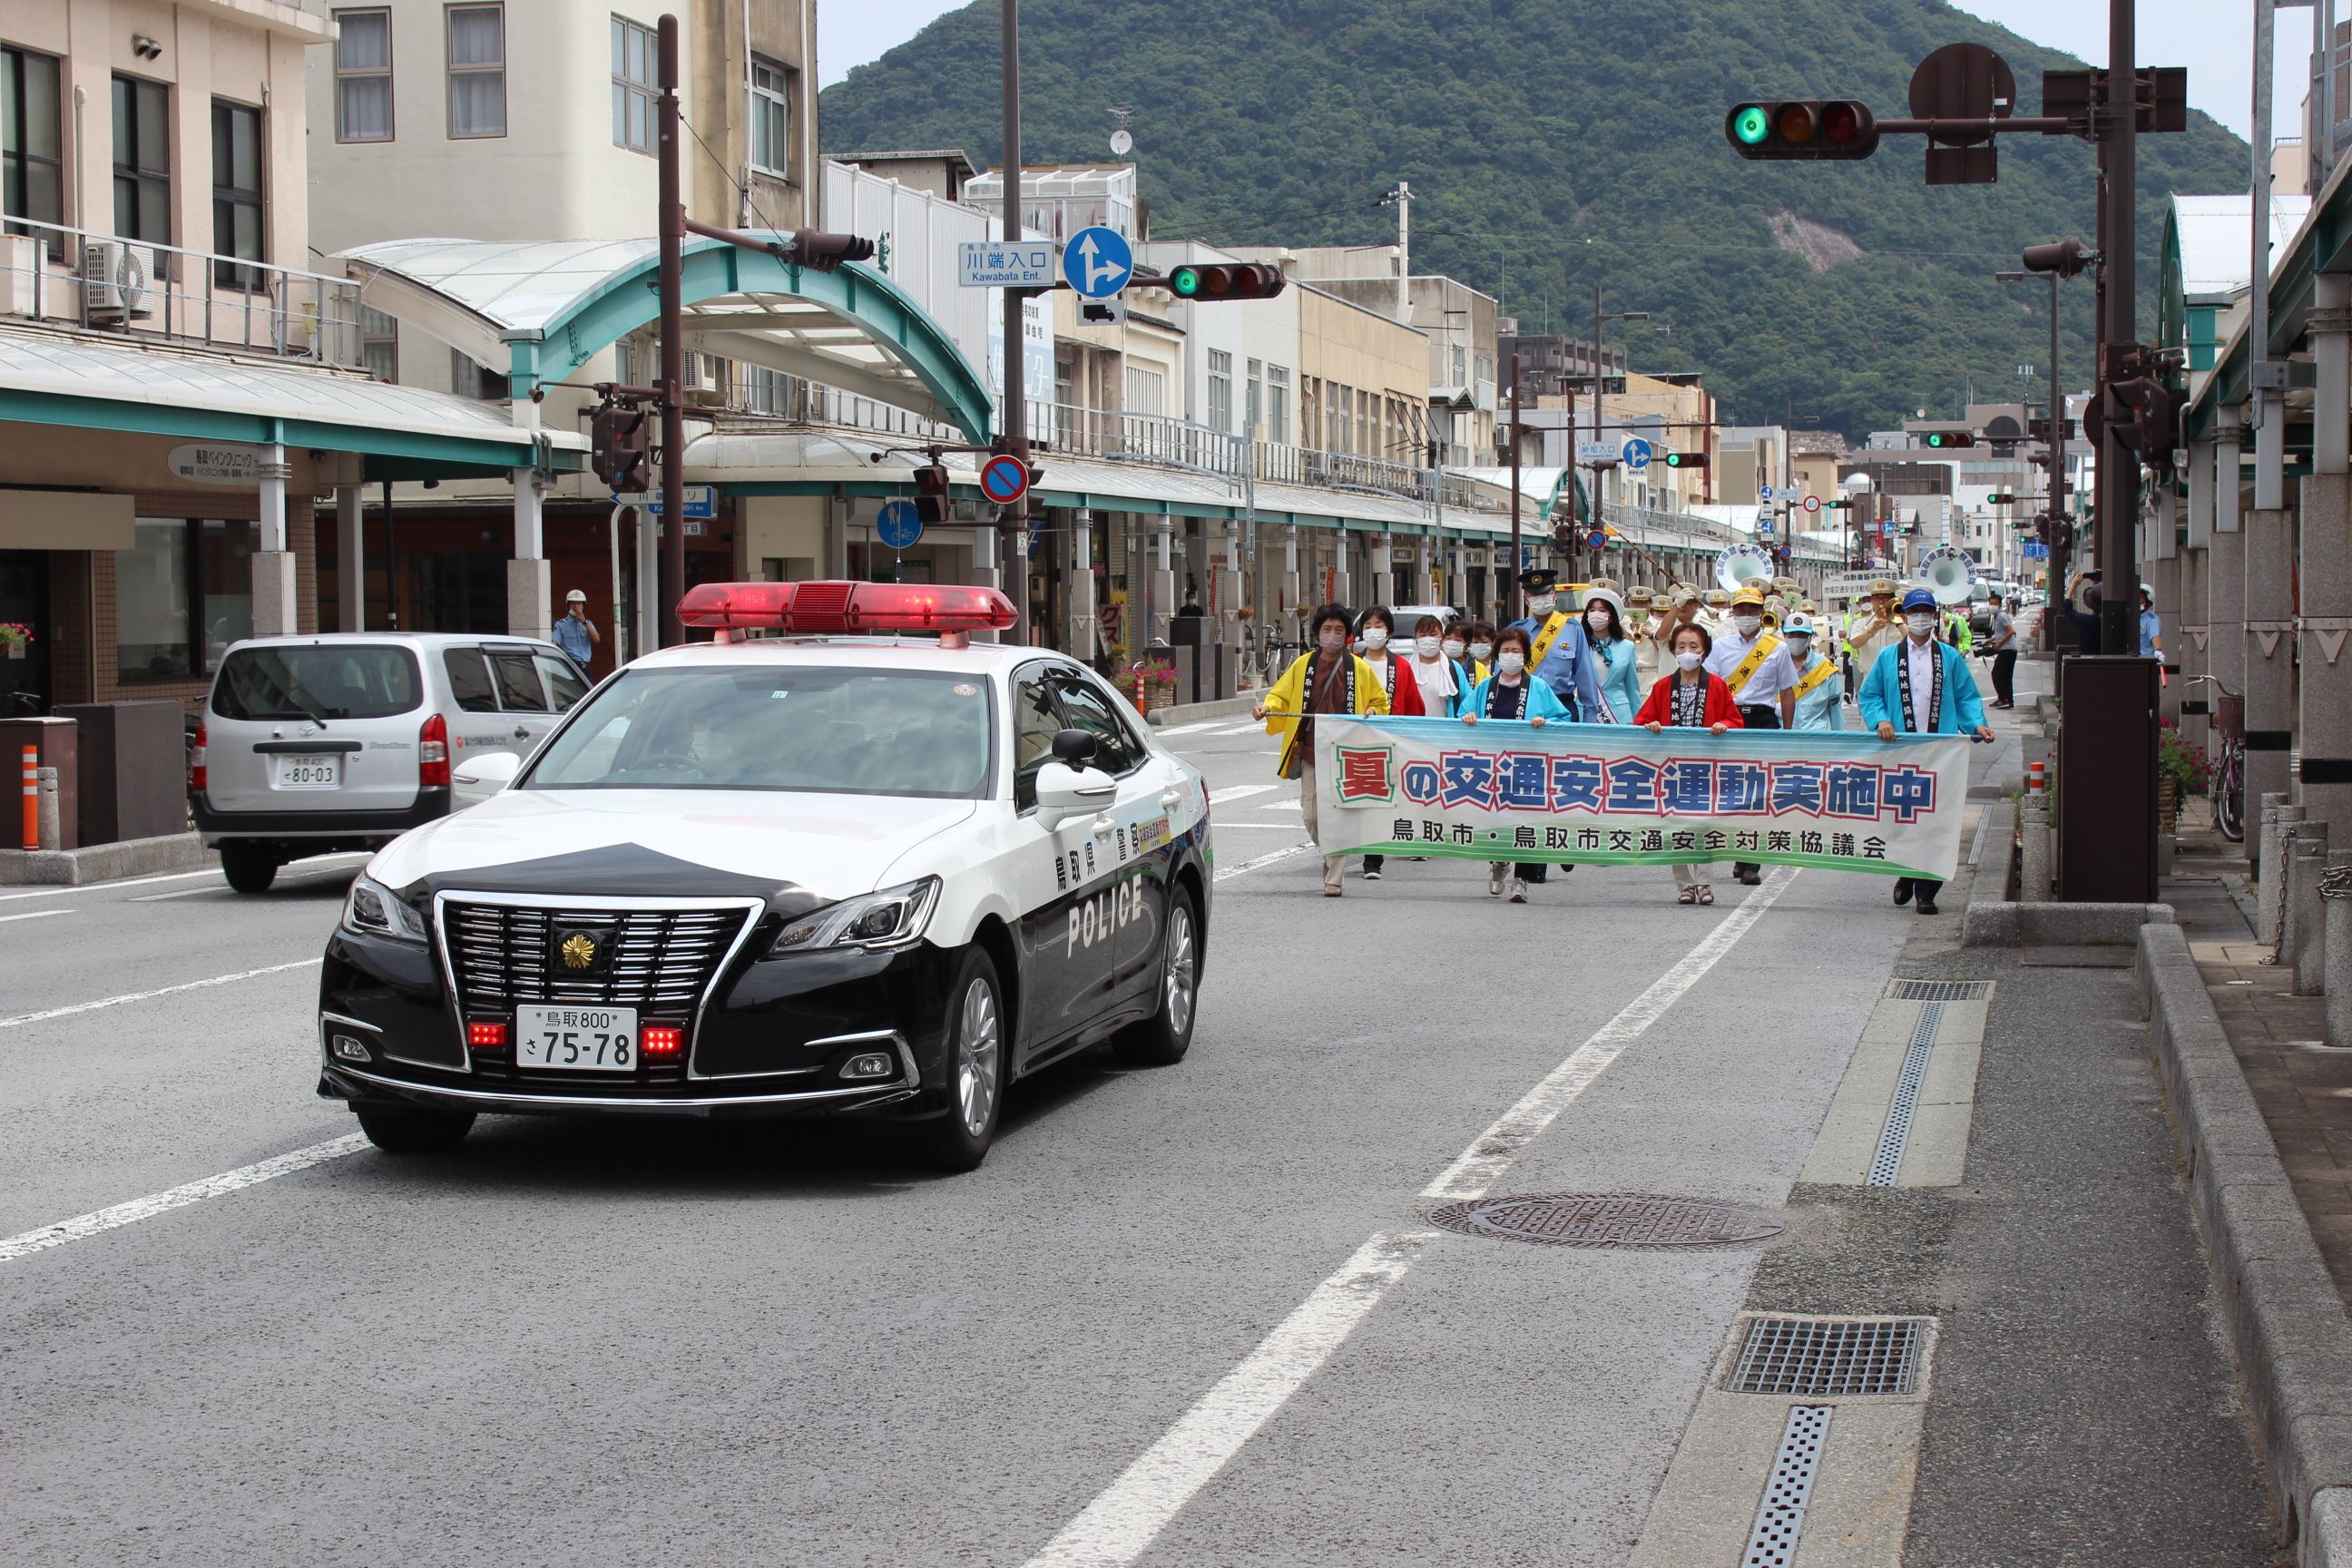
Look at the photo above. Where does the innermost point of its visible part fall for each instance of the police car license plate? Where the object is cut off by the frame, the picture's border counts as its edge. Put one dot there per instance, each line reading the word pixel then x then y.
pixel 310 773
pixel 576 1039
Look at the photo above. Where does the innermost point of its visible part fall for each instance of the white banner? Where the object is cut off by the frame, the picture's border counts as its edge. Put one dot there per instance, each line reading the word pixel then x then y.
pixel 1613 795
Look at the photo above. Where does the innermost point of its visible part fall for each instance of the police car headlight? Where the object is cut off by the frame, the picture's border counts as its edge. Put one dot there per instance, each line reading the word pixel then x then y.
pixel 370 909
pixel 895 917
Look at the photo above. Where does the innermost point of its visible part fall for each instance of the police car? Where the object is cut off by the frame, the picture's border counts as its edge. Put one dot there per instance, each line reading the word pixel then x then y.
pixel 858 864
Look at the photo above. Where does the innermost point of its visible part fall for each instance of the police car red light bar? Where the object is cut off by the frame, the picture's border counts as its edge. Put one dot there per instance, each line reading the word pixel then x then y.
pixel 662 1039
pixel 487 1037
pixel 852 608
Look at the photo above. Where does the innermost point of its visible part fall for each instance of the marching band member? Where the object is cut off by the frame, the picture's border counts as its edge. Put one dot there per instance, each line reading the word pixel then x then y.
pixel 1922 686
pixel 1871 628
pixel 1638 618
pixel 1717 613
pixel 1693 699
pixel 1755 664
pixel 1821 694
pixel 1328 679
pixel 1513 692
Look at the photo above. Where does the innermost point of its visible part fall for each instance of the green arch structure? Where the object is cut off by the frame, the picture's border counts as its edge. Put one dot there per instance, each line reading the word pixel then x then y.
pixel 714 269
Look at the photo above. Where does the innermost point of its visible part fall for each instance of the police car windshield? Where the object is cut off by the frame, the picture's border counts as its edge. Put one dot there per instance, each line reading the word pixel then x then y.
pixel 835 731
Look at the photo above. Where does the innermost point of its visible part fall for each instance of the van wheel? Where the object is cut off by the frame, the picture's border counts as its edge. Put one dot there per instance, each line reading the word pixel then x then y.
pixel 974 1066
pixel 1162 1039
pixel 249 868
pixel 412 1130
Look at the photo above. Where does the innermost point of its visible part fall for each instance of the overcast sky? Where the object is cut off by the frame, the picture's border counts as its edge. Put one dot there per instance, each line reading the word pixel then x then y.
pixel 2214 38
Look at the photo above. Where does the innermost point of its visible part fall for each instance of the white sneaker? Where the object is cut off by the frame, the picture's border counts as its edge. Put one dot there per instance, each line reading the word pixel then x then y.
pixel 1493 881
pixel 1518 891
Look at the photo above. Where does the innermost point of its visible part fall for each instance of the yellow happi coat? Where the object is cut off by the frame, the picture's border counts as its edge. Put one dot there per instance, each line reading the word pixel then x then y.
pixel 1287 698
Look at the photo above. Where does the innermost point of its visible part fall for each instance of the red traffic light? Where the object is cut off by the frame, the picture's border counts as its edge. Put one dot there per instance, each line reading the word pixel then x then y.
pixel 1808 128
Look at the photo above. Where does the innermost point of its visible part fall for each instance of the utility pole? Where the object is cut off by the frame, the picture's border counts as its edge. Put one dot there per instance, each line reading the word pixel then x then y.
pixel 673 345
pixel 2060 552
pixel 2118 464
pixel 1404 250
pixel 1013 525
pixel 1511 577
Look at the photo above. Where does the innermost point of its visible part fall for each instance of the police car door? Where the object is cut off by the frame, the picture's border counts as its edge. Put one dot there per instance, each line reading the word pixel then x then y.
pixel 1068 939
pixel 1140 843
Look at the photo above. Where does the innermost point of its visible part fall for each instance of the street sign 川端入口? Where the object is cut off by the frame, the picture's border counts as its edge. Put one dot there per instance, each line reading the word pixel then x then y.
pixel 702 502
pixel 899 524
pixel 1634 454
pixel 1003 478
pixel 992 264
pixel 1595 452
pixel 1097 262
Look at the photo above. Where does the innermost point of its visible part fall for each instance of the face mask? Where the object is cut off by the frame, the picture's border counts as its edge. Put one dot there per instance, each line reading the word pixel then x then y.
pixel 1748 624
pixel 1331 640
pixel 1482 651
pixel 1425 647
pixel 1689 659
pixel 1921 623
pixel 1453 648
pixel 1376 637
pixel 1511 662
pixel 1598 621
pixel 1801 648
pixel 1541 604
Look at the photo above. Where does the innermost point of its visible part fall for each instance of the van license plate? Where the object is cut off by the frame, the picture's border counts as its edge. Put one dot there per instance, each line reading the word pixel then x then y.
pixel 310 773
pixel 576 1039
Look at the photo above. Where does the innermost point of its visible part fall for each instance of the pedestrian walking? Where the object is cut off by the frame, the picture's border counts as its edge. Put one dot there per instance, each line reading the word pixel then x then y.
pixel 1436 669
pixel 1326 679
pixel 575 633
pixel 1375 630
pixel 1615 657
pixel 1514 693
pixel 1690 698
pixel 2000 641
pixel 1821 691
pixel 1922 686
pixel 2151 640
pixel 1481 649
pixel 1556 651
pixel 1754 663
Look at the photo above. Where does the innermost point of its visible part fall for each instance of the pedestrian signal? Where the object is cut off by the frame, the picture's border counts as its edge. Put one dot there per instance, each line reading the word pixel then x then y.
pixel 1834 128
pixel 931 493
pixel 1246 280
pixel 620 442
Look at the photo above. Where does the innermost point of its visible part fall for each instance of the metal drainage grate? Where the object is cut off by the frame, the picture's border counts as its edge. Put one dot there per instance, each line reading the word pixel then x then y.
pixel 1610 1219
pixel 1938 990
pixel 1893 1138
pixel 1780 1518
pixel 1829 1358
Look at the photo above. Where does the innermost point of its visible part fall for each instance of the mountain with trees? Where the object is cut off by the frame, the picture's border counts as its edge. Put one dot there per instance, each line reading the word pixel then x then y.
pixel 1557 145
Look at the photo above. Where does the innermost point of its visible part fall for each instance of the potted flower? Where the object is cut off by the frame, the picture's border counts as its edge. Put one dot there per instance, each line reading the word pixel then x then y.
pixel 15 638
pixel 2179 771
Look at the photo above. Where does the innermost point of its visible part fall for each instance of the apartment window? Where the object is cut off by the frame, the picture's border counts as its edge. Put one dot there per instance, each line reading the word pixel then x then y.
pixel 1221 391
pixel 236 194
pixel 478 70
pixel 766 391
pixel 1341 435
pixel 379 343
pixel 143 161
pixel 469 377
pixel 1277 402
pixel 1143 390
pixel 32 184
pixel 636 67
pixel 364 76
pixel 771 118
pixel 1461 368
pixel 183 592
pixel 1253 406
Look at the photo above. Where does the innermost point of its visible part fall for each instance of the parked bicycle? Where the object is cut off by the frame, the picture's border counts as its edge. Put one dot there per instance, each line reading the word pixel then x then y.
pixel 2229 782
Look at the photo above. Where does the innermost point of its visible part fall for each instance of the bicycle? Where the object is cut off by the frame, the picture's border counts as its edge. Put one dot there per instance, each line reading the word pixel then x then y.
pixel 2229 782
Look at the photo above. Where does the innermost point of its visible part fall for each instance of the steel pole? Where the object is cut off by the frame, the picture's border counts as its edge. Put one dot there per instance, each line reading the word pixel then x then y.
pixel 1014 521
pixel 672 232
pixel 1511 592
pixel 2118 466
pixel 2054 581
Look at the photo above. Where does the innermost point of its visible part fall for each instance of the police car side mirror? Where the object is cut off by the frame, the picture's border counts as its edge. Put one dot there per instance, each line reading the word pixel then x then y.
pixel 1064 792
pixel 1076 748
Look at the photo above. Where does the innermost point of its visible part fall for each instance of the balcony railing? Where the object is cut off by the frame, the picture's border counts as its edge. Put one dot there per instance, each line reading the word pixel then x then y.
pixel 71 277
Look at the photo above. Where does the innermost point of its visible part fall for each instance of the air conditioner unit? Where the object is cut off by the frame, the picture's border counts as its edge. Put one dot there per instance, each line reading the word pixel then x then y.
pixel 116 281
pixel 20 266
pixel 705 381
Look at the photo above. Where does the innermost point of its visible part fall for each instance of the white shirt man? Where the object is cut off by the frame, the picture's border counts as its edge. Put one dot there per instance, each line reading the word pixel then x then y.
pixel 1772 683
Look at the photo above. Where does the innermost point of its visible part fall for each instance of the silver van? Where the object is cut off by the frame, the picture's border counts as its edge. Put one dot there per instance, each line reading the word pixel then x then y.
pixel 309 745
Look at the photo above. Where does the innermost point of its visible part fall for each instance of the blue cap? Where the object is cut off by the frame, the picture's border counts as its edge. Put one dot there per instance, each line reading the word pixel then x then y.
pixel 1920 599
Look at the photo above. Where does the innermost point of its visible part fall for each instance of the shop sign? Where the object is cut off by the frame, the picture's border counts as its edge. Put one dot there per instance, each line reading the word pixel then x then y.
pixel 222 463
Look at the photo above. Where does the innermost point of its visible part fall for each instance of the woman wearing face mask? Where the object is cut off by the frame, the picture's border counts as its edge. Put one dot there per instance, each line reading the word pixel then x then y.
pixel 1691 698
pixel 1328 680
pixel 1444 683
pixel 1481 651
pixel 1396 678
pixel 1615 659
pixel 1513 693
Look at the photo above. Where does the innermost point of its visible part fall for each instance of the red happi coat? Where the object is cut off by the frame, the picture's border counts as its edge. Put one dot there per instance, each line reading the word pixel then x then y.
pixel 1660 706
pixel 1404 691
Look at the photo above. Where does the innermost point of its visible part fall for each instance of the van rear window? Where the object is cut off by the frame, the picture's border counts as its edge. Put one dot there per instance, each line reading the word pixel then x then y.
pixel 327 681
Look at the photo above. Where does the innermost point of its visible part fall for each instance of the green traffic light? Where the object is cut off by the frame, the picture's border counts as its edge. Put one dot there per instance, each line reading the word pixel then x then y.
pixel 1751 125
pixel 1935 439
pixel 1185 281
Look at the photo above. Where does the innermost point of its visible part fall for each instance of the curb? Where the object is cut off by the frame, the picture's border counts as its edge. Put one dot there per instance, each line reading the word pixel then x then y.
pixel 1999 923
pixel 1185 712
pixel 1996 859
pixel 2285 1319
pixel 102 862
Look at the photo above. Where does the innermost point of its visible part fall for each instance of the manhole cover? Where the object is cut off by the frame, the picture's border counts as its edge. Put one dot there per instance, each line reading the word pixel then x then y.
pixel 1610 1219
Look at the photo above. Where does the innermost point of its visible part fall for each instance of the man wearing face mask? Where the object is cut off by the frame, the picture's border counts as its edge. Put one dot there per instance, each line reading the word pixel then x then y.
pixel 1328 679
pixel 1754 663
pixel 1922 686
pixel 1558 654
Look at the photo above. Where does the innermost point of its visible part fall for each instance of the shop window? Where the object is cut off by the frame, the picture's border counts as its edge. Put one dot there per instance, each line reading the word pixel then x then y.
pixel 236 194
pixel 364 76
pixel 636 67
pixel 183 592
pixel 478 70
pixel 143 161
pixel 32 182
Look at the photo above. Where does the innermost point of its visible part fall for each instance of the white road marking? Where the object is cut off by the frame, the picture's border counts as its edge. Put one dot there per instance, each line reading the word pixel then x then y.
pixel 1121 1523
pixel 181 893
pixel 1236 870
pixel 1273 827
pixel 34 915
pixel 1188 729
pixel 100 1220
pixel 1282 805
pixel 151 995
pixel 1255 727
pixel 108 887
pixel 1226 794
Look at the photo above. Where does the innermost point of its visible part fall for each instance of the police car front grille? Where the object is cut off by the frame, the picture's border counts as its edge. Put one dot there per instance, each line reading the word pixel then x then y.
pixel 663 960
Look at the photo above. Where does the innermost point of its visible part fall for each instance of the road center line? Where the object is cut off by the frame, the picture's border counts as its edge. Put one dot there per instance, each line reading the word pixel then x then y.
pixel 1226 794
pixel 100 1220
pixel 34 915
pixel 149 995
pixel 1124 1520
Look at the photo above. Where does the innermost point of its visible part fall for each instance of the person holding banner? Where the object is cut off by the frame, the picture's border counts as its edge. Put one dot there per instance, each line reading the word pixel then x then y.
pixel 1691 698
pixel 1512 693
pixel 1754 662
pixel 1557 649
pixel 1376 630
pixel 1329 679
pixel 1614 659
pixel 1922 686
pixel 1821 694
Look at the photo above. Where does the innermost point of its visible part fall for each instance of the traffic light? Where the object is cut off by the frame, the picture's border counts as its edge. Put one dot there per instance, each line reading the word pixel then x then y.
pixel 1811 128
pixel 2001 498
pixel 1942 440
pixel 931 493
pixel 1243 281
pixel 816 248
pixel 620 440
pixel 1687 460
pixel 2066 257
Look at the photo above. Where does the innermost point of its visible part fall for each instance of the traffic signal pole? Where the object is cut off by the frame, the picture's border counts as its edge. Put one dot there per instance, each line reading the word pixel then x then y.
pixel 2118 464
pixel 2054 585
pixel 1012 524
pixel 672 238
pixel 1519 429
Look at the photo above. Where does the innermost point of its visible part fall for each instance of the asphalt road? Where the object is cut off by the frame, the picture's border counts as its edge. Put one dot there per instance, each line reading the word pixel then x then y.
pixel 1189 1316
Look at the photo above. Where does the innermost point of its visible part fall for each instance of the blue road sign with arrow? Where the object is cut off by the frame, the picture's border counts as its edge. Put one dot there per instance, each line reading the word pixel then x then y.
pixel 900 525
pixel 1636 454
pixel 1097 261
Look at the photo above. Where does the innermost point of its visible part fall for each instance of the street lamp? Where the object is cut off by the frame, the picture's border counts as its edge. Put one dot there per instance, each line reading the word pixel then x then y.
pixel 2059 530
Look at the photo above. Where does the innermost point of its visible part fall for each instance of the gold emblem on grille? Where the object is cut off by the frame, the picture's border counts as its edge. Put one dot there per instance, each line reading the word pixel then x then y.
pixel 579 952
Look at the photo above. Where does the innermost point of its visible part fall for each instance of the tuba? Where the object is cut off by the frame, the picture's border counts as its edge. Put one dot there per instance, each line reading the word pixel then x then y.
pixel 1946 572
pixel 1742 564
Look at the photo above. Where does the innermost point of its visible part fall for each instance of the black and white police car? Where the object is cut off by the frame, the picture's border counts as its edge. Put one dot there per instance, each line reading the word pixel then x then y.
pixel 867 866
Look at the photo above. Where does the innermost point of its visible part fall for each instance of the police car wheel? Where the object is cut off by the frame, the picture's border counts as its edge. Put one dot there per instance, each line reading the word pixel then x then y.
pixel 972 1067
pixel 249 868
pixel 412 1130
pixel 1162 1039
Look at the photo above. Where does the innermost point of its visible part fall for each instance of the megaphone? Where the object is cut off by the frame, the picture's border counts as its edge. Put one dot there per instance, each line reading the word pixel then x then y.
pixel 1734 568
pixel 1948 571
